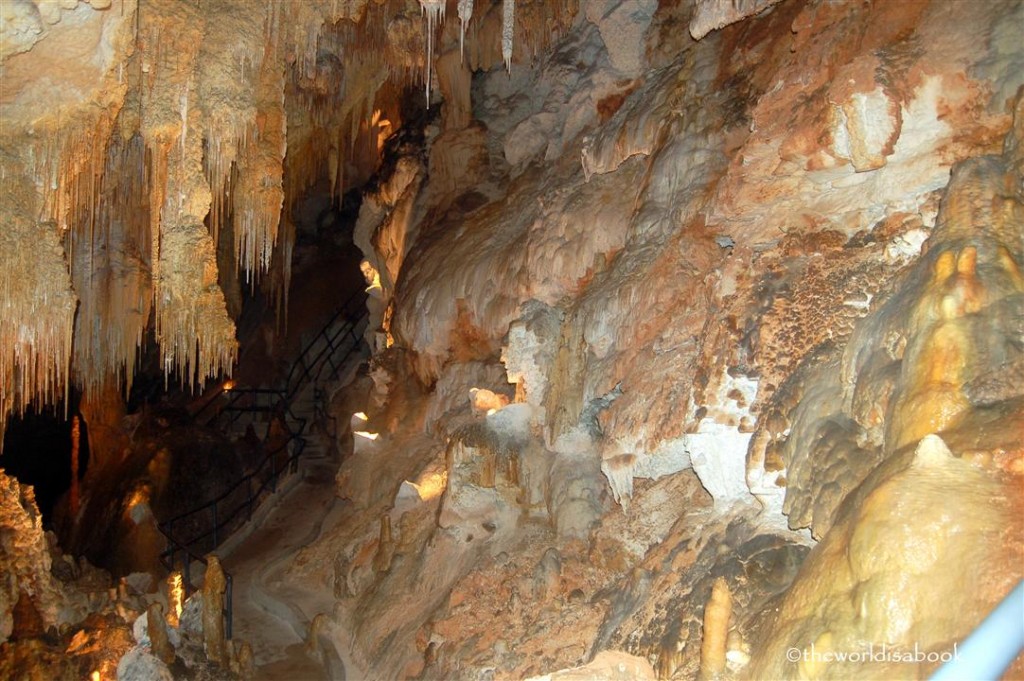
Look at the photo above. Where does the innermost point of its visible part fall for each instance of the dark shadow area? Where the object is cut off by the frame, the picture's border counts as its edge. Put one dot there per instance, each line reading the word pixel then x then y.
pixel 37 451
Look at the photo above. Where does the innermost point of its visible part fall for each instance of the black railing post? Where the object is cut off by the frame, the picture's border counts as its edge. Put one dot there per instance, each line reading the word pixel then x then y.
pixel 248 489
pixel 215 542
pixel 228 593
pixel 309 366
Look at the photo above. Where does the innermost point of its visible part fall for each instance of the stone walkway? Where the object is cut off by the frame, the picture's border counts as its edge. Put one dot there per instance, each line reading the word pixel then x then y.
pixel 266 612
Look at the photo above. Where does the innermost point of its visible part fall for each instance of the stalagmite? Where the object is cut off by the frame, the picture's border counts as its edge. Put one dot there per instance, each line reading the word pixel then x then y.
pixel 385 546
pixel 175 598
pixel 73 494
pixel 213 611
pixel 772 277
pixel 157 630
pixel 316 631
pixel 246 661
pixel 716 631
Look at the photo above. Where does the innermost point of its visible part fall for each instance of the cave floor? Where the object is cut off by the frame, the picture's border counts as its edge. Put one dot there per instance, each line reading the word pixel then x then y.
pixel 272 616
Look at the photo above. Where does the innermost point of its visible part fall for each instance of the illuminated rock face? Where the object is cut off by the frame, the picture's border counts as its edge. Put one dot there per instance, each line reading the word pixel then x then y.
pixel 760 274
pixel 734 276
pixel 892 571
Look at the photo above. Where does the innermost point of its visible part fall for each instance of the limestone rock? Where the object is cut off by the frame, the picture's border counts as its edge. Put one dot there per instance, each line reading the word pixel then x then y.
pixel 715 14
pixel 606 666
pixel 22 27
pixel 191 621
pixel 141 665
pixel 622 26
pixel 24 557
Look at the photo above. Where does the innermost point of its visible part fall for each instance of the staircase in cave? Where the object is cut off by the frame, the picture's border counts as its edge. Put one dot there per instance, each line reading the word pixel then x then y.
pixel 296 437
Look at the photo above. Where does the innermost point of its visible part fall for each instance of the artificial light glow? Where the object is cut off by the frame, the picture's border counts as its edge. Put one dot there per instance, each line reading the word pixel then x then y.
pixel 492 411
pixel 368 436
pixel 95 676
pixel 228 385
pixel 361 416
pixel 175 598
pixel 383 126
pixel 432 486
pixel 139 496
pixel 385 324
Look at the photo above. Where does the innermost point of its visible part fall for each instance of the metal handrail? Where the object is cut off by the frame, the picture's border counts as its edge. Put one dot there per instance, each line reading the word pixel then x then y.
pixel 188 548
pixel 355 303
pixel 278 401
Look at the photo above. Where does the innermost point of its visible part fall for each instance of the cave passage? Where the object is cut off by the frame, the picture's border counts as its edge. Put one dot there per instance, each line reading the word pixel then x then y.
pixel 37 451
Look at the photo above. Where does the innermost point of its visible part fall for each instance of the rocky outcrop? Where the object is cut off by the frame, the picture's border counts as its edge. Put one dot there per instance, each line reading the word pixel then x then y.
pixel 696 298
pixel 24 559
pixel 758 276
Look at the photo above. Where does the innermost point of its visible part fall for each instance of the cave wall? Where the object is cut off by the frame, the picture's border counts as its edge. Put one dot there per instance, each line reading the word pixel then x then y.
pixel 780 261
pixel 683 291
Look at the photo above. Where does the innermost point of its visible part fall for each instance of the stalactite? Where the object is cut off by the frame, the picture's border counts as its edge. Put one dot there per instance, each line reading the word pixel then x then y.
pixel 195 333
pixel 205 90
pixel 465 14
pixel 111 274
pixel 228 68
pixel 287 249
pixel 433 10
pixel 37 304
pixel 259 195
pixel 508 29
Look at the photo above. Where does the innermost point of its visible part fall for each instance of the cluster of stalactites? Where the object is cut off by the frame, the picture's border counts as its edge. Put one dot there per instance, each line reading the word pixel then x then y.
pixel 434 10
pixel 78 238
pixel 195 333
pixel 259 196
pixel 37 308
pixel 110 270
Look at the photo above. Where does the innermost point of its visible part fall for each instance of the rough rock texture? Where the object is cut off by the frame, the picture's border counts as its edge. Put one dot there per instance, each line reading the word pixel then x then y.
pixel 891 571
pixel 745 265
pixel 24 557
pixel 140 665
pixel 742 309
pixel 711 15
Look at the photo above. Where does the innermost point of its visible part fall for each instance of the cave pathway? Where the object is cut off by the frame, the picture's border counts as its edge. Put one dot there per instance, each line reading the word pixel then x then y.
pixel 272 616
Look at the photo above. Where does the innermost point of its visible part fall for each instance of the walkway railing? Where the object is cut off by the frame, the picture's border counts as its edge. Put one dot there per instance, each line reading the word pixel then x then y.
pixel 195 533
pixel 312 363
